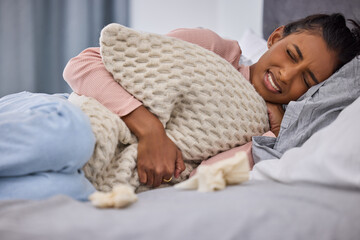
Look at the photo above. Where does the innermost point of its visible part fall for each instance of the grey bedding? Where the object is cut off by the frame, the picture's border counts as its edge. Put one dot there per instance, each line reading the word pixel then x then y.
pixel 255 210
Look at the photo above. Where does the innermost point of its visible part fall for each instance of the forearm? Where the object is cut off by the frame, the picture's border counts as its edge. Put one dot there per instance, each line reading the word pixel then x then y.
pixel 143 123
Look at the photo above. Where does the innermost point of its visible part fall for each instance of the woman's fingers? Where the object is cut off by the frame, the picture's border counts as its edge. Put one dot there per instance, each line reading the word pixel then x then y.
pixel 276 114
pixel 142 176
pixel 150 178
pixel 157 157
pixel 179 164
pixel 158 178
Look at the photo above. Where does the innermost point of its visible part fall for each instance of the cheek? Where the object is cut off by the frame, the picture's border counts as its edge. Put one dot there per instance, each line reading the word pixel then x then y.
pixel 275 54
pixel 265 59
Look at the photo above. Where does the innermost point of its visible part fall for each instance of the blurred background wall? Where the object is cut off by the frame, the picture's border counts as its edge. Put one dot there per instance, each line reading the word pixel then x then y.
pixel 38 37
pixel 229 18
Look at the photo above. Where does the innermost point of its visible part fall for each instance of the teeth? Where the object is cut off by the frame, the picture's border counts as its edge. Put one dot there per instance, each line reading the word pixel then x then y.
pixel 272 82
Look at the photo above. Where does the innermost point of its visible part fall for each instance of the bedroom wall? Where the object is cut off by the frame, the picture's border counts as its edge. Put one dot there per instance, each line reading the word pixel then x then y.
pixel 229 18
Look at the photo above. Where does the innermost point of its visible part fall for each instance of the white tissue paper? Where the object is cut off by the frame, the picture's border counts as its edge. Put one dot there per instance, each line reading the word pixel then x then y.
pixel 121 196
pixel 209 178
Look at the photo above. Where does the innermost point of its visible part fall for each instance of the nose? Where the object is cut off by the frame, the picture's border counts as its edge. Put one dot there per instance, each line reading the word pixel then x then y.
pixel 287 74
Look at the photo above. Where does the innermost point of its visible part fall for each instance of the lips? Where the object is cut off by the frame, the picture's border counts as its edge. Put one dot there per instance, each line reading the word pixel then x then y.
pixel 270 83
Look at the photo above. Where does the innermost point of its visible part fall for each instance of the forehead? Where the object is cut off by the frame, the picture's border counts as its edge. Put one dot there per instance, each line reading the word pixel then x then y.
pixel 317 56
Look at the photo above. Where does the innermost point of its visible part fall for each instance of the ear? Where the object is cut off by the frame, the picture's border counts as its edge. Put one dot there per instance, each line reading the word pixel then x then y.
pixel 275 36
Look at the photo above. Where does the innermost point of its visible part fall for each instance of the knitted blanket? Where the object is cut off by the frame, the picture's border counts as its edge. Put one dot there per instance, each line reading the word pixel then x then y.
pixel 205 105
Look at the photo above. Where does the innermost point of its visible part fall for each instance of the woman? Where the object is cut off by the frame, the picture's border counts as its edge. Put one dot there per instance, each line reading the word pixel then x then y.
pixel 300 55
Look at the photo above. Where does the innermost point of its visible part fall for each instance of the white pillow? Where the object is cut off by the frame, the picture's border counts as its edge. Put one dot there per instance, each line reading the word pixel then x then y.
pixel 330 157
pixel 252 46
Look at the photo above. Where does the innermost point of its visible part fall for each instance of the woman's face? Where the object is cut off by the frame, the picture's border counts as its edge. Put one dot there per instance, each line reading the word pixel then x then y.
pixel 291 66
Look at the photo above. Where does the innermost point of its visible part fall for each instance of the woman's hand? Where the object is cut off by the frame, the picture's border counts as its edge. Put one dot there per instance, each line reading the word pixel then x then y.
pixel 158 159
pixel 276 114
pixel 158 156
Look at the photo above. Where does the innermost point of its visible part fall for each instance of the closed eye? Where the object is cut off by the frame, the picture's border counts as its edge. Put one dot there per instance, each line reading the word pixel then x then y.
pixel 291 55
pixel 306 82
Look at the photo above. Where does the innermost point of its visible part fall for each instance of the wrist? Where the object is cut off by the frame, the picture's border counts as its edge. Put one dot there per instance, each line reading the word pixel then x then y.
pixel 143 123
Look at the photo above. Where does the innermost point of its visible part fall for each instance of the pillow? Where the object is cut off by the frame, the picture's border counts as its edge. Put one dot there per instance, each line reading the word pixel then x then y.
pixel 204 103
pixel 200 98
pixel 252 47
pixel 330 157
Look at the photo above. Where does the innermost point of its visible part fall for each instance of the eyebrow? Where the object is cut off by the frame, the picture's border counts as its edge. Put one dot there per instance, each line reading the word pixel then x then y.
pixel 312 75
pixel 298 51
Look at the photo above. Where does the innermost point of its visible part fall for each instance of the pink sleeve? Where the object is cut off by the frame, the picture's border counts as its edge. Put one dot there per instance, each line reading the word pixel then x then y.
pixel 87 75
pixel 227 49
pixel 227 154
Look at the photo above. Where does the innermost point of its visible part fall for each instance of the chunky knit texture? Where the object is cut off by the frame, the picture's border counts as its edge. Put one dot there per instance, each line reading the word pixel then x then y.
pixel 204 103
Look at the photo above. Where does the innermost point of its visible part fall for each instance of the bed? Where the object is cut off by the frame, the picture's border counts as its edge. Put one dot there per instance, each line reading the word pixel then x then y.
pixel 311 192
pixel 256 210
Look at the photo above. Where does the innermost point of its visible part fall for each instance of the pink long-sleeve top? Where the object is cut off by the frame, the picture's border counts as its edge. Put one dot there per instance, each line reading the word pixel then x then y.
pixel 87 75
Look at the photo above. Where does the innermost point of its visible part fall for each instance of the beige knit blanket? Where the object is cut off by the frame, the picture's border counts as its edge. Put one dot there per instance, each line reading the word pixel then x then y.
pixel 204 103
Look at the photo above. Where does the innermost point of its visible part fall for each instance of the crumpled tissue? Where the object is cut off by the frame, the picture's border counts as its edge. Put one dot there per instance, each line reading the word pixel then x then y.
pixel 121 196
pixel 209 178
